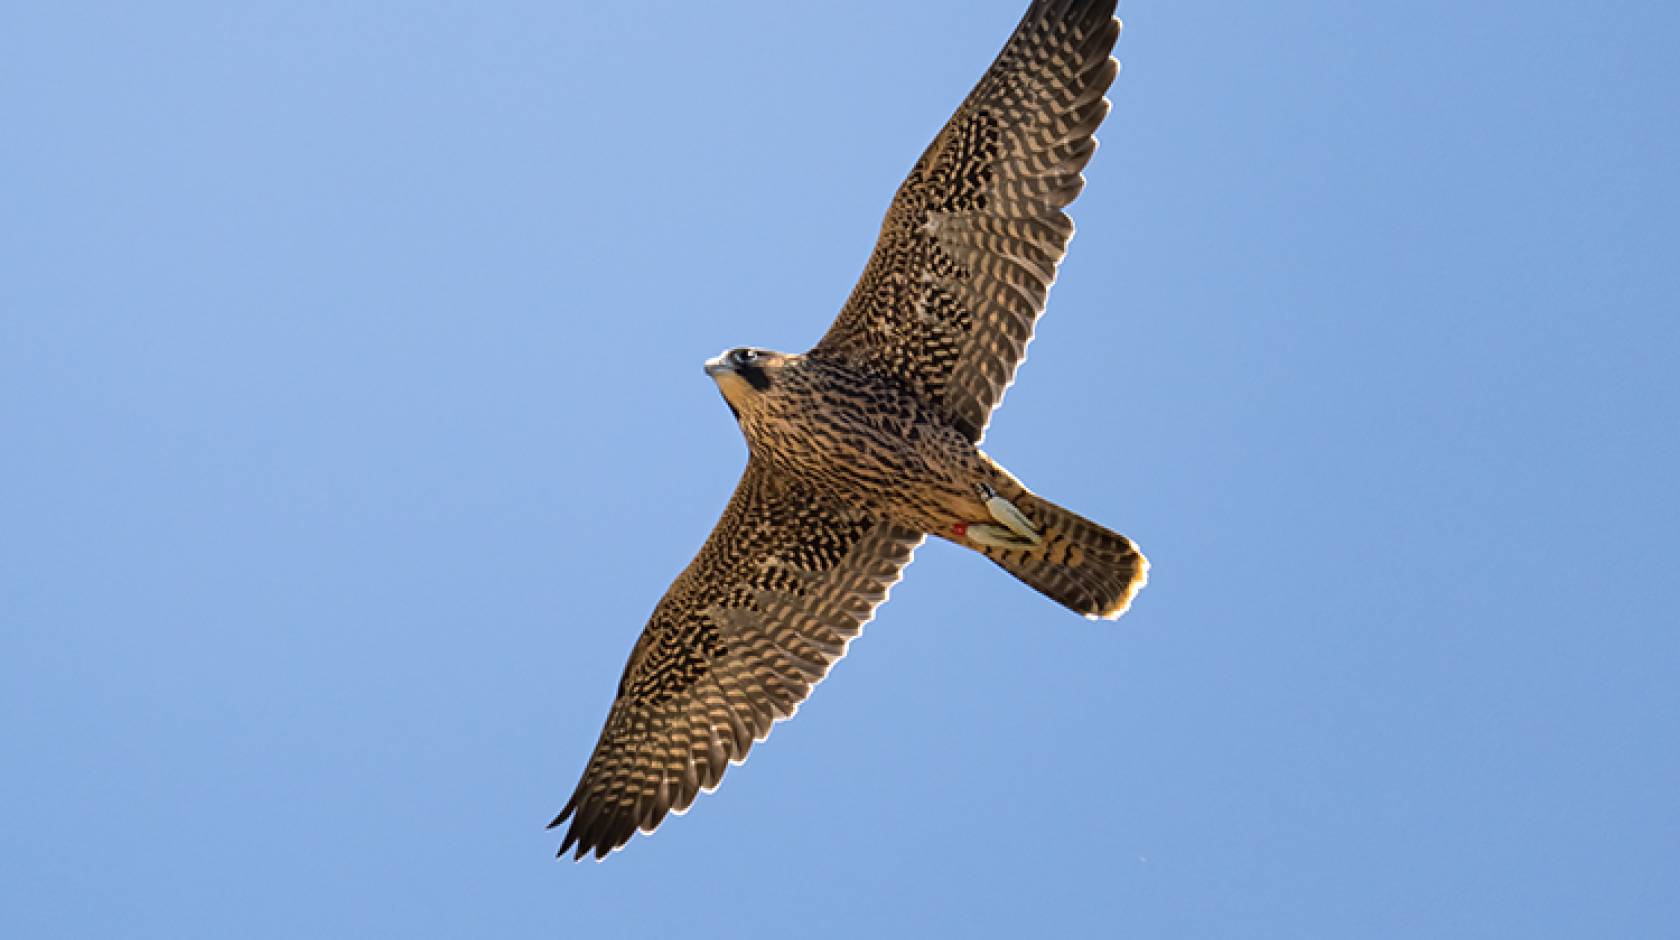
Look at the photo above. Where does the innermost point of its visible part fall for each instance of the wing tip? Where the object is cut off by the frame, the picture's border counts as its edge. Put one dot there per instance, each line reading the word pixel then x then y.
pixel 603 836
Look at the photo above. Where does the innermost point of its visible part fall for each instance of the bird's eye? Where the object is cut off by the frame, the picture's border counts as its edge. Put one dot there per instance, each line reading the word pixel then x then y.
pixel 746 355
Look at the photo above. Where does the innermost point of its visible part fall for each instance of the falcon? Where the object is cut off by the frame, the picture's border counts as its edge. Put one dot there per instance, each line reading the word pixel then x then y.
pixel 868 443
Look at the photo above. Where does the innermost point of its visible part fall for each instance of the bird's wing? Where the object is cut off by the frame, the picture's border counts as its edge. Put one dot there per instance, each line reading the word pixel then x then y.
pixel 970 244
pixel 780 588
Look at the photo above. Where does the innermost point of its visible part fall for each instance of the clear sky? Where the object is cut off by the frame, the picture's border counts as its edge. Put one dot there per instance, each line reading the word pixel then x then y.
pixel 352 422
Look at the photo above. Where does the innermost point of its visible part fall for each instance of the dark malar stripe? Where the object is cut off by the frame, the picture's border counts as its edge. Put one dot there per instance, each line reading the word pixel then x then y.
pixel 754 375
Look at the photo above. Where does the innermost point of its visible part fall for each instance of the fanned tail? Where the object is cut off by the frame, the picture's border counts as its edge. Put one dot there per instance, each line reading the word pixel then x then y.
pixel 1078 564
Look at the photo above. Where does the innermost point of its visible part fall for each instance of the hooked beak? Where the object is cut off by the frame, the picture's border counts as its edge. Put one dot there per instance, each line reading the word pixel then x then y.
pixel 717 364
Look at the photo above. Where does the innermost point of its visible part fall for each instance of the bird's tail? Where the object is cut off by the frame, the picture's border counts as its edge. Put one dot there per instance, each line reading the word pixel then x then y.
pixel 1078 564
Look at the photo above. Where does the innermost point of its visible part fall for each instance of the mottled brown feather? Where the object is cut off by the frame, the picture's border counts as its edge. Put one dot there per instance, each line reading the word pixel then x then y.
pixel 969 247
pixel 784 583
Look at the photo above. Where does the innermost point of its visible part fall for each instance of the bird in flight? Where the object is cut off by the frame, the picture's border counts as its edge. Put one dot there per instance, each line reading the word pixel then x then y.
pixel 869 442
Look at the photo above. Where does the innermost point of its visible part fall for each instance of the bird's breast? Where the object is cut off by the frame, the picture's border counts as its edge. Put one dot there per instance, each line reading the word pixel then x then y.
pixel 875 448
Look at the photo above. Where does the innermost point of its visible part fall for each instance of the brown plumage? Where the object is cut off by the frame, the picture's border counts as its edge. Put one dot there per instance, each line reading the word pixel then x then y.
pixel 869 442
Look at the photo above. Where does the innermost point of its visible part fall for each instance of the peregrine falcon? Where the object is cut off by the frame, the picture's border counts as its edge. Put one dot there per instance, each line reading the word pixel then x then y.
pixel 869 442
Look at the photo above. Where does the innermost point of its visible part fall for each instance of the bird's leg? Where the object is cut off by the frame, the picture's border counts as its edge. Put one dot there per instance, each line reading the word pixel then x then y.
pixel 1015 532
pixel 1005 512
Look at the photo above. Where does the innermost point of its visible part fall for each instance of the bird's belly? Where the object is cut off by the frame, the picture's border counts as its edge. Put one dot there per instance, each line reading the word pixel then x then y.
pixel 916 473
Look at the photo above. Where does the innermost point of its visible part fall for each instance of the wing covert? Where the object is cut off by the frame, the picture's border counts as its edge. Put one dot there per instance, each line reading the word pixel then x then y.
pixel 782 585
pixel 969 247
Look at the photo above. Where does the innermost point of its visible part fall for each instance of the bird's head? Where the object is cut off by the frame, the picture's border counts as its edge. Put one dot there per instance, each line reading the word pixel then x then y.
pixel 745 375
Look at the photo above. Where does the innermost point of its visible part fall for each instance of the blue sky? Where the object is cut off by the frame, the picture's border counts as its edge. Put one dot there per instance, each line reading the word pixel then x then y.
pixel 353 423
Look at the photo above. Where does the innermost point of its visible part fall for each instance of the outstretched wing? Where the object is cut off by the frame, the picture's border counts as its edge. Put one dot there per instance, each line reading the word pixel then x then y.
pixel 781 587
pixel 970 245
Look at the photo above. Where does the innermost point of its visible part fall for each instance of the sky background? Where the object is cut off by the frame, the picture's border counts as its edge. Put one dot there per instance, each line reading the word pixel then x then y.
pixel 352 422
